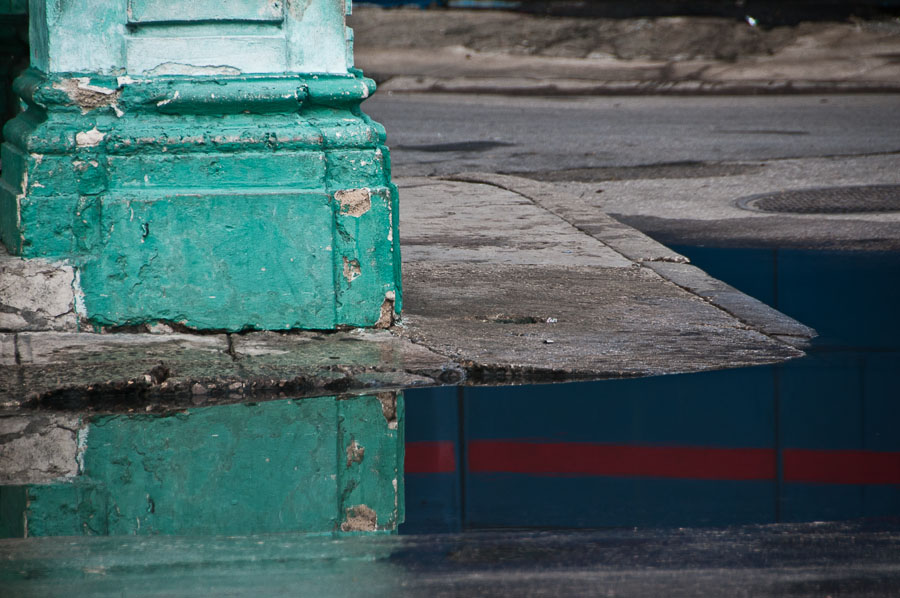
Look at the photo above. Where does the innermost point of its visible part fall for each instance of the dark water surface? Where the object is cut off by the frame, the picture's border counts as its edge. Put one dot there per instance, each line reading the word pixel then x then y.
pixel 809 440
pixel 661 464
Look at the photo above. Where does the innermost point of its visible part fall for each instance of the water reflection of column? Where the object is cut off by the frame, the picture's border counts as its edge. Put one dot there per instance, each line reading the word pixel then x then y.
pixel 327 464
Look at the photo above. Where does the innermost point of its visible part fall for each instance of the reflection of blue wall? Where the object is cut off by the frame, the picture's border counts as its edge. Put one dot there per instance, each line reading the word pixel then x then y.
pixel 841 401
pixel 844 395
pixel 680 411
pixel 436 496
pixel 849 297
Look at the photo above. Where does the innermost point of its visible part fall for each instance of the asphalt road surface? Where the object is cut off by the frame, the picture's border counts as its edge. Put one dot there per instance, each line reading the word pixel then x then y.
pixel 445 134
pixel 676 168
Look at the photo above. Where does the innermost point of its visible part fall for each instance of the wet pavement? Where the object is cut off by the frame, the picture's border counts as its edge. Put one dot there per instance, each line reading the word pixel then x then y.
pixel 856 559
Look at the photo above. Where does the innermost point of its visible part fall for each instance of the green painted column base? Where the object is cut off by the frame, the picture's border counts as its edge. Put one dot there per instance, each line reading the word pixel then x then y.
pixel 225 203
pixel 322 465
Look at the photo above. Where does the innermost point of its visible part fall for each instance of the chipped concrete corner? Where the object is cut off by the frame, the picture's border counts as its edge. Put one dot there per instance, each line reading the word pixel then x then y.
pixel 388 311
pixel 354 202
pixel 149 163
pixel 388 402
pixel 359 519
pixel 87 96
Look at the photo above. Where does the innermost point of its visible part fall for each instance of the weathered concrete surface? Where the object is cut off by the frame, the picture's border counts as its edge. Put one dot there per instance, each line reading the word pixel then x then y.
pixel 411 50
pixel 554 307
pixel 538 322
pixel 510 280
pixel 345 360
pixel 576 214
pixel 645 251
pixel 37 294
pixel 38 448
pixel 160 371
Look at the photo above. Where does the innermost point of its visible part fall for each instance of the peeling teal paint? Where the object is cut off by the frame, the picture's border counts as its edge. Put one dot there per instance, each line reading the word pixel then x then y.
pixel 282 466
pixel 204 198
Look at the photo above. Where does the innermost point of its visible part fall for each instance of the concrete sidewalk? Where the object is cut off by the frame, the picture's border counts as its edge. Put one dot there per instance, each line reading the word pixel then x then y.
pixel 505 280
pixel 411 50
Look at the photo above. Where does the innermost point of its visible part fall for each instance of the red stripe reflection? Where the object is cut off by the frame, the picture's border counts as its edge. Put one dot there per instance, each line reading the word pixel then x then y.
pixel 841 467
pixel 430 457
pixel 489 456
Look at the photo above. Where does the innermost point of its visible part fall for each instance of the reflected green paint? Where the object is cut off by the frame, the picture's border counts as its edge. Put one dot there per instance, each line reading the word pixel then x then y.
pixel 13 503
pixel 279 466
pixel 267 565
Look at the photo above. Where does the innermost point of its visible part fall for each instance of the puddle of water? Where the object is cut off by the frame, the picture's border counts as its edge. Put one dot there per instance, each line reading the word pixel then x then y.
pixel 813 439
pixel 809 440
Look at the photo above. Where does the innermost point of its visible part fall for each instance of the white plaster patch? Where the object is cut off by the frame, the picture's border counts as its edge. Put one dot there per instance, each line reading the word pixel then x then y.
pixel 37 294
pixel 81 440
pixel 177 68
pixel 175 96
pixel 80 309
pixel 160 328
pixel 90 138
pixel 39 449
